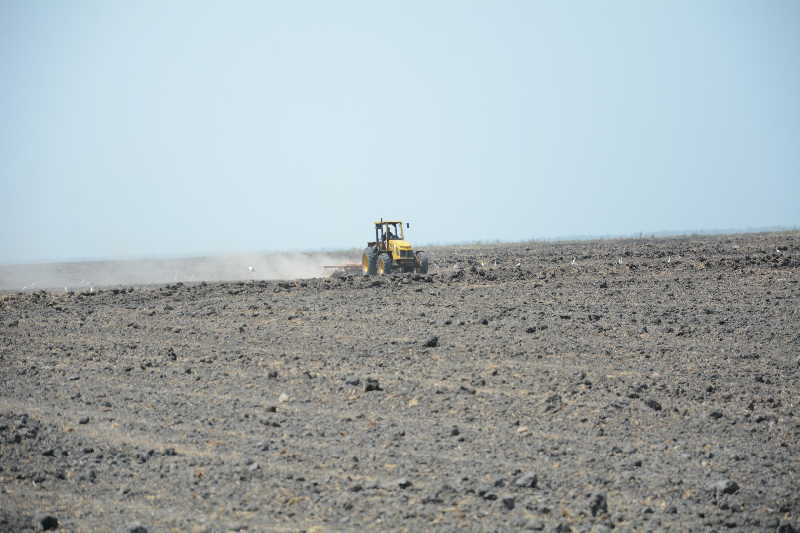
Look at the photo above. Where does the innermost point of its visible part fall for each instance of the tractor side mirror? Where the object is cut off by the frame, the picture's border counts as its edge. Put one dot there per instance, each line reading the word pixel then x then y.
pixel 408 225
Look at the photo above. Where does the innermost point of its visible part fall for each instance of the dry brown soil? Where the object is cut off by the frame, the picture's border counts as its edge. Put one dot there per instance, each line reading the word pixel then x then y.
pixel 626 385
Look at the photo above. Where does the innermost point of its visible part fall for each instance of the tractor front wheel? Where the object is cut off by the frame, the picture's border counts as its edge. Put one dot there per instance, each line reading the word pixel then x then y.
pixel 369 262
pixel 384 264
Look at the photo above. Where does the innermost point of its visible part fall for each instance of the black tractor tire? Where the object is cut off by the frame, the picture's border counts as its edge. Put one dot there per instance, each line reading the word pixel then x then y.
pixel 369 261
pixel 385 264
pixel 422 263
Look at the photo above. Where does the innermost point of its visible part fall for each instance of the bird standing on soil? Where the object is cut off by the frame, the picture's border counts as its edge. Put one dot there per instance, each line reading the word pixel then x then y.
pixel 573 260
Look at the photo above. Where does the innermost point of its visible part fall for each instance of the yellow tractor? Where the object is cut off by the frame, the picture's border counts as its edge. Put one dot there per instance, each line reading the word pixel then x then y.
pixel 390 252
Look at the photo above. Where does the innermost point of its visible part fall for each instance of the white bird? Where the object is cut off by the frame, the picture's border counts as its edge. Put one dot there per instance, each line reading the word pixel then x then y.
pixel 573 260
pixel 250 269
pixel 669 259
pixel 619 260
pixel 778 250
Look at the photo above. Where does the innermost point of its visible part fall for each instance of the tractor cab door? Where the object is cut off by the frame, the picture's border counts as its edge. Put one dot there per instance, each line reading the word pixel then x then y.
pixel 380 236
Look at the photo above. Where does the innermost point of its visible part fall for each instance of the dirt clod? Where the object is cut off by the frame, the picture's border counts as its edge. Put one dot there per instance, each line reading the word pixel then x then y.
pixel 45 522
pixel 372 384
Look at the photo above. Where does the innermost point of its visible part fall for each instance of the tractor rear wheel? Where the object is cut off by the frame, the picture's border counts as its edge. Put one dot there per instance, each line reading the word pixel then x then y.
pixel 369 261
pixel 422 263
pixel 384 264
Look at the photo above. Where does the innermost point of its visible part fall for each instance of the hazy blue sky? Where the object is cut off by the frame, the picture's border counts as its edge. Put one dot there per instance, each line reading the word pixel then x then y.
pixel 138 128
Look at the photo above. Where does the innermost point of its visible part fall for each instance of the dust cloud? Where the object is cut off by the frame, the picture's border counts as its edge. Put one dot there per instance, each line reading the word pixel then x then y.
pixel 87 275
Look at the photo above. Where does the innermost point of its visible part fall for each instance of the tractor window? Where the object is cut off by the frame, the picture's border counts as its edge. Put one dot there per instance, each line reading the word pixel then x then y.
pixel 393 232
pixel 390 231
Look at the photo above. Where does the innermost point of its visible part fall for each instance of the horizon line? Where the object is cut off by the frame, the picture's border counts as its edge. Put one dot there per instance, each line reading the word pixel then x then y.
pixel 562 238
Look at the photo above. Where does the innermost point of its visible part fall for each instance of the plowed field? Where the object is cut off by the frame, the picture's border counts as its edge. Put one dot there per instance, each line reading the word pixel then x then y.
pixel 624 385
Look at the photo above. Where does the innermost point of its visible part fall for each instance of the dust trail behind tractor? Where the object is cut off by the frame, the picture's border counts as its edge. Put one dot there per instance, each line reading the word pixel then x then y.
pixel 341 270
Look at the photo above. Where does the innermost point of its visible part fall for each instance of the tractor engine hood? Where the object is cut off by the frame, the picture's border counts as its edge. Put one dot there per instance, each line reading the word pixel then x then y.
pixel 400 245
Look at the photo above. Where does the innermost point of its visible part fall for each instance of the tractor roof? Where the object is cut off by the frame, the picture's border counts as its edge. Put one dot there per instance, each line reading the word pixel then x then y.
pixel 379 222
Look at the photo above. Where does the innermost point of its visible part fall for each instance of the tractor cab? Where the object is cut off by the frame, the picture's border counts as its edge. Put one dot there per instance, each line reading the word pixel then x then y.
pixel 389 231
pixel 390 238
